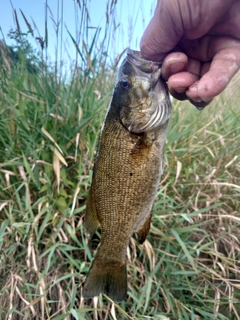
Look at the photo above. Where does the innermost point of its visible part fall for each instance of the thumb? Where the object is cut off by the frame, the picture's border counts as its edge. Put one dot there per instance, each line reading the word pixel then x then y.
pixel 161 34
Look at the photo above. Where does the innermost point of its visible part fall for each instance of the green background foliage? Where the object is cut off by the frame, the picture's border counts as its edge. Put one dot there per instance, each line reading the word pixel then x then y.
pixel 188 268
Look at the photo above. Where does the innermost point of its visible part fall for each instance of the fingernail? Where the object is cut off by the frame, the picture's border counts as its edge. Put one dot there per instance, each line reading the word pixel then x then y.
pixel 193 87
pixel 180 89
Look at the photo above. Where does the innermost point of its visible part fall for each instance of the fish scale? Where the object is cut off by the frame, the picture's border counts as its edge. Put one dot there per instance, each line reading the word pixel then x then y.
pixel 126 172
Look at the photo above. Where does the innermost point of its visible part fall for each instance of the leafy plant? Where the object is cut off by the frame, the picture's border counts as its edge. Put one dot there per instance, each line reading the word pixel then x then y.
pixel 188 268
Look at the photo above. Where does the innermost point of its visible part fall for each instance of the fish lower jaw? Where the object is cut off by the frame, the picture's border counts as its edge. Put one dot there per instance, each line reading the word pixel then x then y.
pixel 131 128
pixel 136 126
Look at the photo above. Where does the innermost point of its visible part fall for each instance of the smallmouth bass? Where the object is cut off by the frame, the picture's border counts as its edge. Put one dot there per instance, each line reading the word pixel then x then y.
pixel 127 171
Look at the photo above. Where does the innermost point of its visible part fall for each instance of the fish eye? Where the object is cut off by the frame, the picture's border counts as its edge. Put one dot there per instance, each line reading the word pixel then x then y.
pixel 124 84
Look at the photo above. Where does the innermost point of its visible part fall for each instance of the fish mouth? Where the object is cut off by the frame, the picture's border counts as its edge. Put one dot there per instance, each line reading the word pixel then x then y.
pixel 135 58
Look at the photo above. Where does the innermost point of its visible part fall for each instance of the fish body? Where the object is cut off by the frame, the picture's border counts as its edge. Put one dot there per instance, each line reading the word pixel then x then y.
pixel 126 172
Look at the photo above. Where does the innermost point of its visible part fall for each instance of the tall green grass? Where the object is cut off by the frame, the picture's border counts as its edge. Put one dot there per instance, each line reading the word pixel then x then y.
pixel 188 268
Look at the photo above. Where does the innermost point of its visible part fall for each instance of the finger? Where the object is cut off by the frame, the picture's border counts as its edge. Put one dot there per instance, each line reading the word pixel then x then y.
pixel 194 97
pixel 177 95
pixel 198 103
pixel 180 72
pixel 181 81
pixel 177 62
pixel 224 66
pixel 173 63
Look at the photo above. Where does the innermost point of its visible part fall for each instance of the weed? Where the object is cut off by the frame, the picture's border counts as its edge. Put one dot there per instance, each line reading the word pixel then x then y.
pixel 188 268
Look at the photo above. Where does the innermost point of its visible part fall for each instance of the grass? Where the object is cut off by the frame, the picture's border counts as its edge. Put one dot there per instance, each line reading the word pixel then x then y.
pixel 188 268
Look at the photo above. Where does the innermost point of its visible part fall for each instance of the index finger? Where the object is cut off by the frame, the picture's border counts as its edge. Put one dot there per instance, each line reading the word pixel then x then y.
pixel 224 66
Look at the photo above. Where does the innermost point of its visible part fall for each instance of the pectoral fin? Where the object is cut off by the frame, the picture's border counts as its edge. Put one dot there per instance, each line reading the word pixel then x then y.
pixel 143 230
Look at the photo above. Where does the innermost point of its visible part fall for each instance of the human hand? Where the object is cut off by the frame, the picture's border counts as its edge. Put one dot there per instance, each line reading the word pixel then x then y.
pixel 200 44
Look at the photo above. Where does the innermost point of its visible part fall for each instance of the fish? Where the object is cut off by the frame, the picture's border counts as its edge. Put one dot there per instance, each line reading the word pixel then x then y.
pixel 127 171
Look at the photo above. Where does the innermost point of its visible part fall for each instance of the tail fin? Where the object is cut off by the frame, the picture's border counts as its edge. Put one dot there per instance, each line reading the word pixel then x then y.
pixel 109 278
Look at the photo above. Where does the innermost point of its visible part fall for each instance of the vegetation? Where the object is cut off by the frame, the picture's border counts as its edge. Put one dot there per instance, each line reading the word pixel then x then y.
pixel 188 268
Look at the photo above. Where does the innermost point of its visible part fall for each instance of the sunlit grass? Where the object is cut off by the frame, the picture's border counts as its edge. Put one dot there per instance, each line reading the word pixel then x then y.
pixel 188 268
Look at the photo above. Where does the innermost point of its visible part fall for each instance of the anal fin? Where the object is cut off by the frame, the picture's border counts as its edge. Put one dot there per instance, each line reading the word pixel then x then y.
pixel 143 230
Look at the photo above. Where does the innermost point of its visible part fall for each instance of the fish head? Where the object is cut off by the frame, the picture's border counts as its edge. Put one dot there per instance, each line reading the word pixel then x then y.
pixel 141 95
